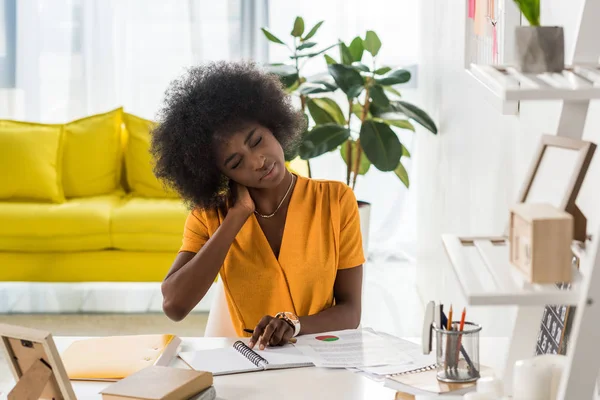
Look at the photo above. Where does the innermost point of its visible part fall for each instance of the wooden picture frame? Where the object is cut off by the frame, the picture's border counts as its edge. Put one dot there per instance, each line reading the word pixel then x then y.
pixel 35 364
pixel 585 153
pixel 555 327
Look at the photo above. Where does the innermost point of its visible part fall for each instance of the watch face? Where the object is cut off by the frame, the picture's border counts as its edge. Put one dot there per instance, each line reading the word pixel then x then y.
pixel 291 316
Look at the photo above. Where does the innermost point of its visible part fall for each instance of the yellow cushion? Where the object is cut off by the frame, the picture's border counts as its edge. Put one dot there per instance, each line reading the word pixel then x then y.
pixel 141 224
pixel 92 155
pixel 30 162
pixel 88 266
pixel 138 161
pixel 75 225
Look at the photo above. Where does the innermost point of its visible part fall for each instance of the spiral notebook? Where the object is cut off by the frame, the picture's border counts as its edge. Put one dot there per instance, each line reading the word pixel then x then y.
pixel 241 358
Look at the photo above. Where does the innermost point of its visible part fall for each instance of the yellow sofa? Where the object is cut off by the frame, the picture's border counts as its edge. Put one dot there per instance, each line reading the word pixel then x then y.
pixel 79 202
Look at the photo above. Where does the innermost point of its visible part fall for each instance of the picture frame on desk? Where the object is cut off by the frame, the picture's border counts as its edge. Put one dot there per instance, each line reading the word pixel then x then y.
pixel 35 364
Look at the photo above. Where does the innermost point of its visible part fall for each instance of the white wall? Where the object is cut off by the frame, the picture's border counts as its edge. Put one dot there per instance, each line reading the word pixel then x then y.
pixel 467 177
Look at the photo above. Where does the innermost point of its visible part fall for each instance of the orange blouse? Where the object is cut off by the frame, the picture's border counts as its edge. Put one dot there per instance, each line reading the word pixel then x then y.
pixel 321 235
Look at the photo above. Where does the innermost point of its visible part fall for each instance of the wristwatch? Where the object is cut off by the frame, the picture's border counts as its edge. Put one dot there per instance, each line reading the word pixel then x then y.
pixel 291 319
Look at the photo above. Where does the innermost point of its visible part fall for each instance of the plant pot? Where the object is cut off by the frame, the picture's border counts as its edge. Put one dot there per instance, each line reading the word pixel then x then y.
pixel 540 49
pixel 364 212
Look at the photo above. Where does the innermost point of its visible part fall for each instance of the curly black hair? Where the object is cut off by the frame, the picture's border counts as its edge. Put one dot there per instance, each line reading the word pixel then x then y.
pixel 204 105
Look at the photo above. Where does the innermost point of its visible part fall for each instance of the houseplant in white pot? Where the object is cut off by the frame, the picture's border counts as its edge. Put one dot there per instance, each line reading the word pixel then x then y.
pixel 539 48
pixel 365 133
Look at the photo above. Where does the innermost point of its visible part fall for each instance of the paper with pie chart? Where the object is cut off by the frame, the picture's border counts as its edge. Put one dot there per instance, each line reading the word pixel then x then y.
pixel 353 348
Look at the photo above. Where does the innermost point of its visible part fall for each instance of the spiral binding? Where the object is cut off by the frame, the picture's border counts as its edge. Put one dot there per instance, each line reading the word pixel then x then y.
pixel 414 371
pixel 249 353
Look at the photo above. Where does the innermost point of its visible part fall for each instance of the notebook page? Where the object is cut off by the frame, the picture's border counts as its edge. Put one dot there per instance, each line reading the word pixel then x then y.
pixel 218 361
pixel 284 357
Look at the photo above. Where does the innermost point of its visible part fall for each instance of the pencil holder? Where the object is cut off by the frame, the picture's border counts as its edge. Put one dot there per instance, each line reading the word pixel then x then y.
pixel 457 353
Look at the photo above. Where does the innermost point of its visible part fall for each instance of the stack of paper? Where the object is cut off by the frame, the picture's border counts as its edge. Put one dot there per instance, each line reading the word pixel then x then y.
pixel 364 350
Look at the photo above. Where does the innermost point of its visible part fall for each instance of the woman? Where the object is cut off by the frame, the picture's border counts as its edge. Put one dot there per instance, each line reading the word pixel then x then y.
pixel 287 248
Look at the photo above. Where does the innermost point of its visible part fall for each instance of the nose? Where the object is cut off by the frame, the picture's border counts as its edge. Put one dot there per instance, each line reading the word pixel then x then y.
pixel 258 162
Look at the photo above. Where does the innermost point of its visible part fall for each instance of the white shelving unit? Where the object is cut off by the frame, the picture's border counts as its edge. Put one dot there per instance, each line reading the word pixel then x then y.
pixel 481 264
pixel 575 83
pixel 487 278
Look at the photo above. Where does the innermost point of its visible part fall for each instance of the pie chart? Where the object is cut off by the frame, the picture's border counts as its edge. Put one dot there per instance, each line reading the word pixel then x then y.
pixel 327 338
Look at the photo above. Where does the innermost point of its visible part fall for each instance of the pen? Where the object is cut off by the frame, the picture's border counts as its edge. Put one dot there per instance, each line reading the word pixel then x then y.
pixel 450 319
pixel 460 328
pixel 292 340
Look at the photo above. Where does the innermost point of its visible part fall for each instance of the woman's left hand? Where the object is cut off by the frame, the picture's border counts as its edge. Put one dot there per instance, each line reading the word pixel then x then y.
pixel 271 331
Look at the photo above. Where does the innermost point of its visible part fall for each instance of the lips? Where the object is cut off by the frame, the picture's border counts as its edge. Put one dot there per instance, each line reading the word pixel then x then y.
pixel 268 171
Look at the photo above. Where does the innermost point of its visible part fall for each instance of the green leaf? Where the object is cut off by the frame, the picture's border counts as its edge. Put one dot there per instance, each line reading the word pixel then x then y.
pixel 401 173
pixel 288 75
pixel 292 88
pixel 317 87
pixel 329 60
pixel 312 32
pixel 399 123
pixel 392 90
pixel 405 152
pixel 314 54
pixel 357 109
pixel 331 107
pixel 365 164
pixel 381 145
pixel 378 96
pixel 271 37
pixel 415 113
pixel 360 66
pixel 306 45
pixel 530 10
pixel 382 70
pixel 298 27
pixel 319 115
pixel 394 77
pixel 347 79
pixel 322 139
pixel 357 48
pixel 372 43
pixel 345 54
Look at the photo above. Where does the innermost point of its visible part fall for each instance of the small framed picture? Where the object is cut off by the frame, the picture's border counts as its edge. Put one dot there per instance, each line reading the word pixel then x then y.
pixel 556 174
pixel 35 364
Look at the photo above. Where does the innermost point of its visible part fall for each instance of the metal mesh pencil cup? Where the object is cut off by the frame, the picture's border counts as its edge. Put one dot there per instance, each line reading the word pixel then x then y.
pixel 457 353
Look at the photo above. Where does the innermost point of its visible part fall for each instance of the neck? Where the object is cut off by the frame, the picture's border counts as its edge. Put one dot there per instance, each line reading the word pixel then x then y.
pixel 267 200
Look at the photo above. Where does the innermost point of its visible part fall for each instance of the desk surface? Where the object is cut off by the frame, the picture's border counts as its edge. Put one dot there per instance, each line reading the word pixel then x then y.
pixel 291 384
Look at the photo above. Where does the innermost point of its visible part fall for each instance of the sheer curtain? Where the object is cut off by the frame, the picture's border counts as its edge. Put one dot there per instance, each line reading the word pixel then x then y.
pixel 397 25
pixel 77 57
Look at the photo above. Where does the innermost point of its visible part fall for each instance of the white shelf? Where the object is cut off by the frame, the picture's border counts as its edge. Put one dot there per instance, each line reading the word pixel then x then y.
pixel 576 83
pixel 487 277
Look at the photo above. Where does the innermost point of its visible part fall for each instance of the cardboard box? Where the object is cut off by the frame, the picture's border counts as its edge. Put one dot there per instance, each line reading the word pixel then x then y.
pixel 540 242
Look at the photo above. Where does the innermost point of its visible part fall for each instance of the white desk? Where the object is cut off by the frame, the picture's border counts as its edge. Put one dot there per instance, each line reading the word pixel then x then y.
pixel 300 383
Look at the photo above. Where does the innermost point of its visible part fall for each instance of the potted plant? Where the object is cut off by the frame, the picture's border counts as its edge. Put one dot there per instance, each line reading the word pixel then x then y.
pixel 539 48
pixel 364 134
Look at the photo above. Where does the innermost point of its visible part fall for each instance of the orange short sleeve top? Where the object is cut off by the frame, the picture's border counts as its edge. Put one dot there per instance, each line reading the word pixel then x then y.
pixel 321 235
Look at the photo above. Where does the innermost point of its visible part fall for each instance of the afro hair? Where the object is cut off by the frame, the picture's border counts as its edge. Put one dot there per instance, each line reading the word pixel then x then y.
pixel 205 104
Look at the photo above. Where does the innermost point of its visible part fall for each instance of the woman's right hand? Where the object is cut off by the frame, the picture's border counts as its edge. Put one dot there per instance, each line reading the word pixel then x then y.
pixel 241 198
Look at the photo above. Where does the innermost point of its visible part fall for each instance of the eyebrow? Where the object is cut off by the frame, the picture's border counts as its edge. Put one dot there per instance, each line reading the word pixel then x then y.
pixel 231 157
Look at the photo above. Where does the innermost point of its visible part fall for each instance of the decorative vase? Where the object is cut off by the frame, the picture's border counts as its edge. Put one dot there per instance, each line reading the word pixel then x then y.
pixel 540 49
pixel 364 212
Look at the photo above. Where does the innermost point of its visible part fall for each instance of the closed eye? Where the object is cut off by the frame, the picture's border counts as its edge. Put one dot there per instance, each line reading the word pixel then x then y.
pixel 237 164
pixel 257 142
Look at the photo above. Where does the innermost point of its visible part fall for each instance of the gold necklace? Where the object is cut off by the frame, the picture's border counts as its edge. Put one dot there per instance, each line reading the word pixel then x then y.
pixel 281 202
